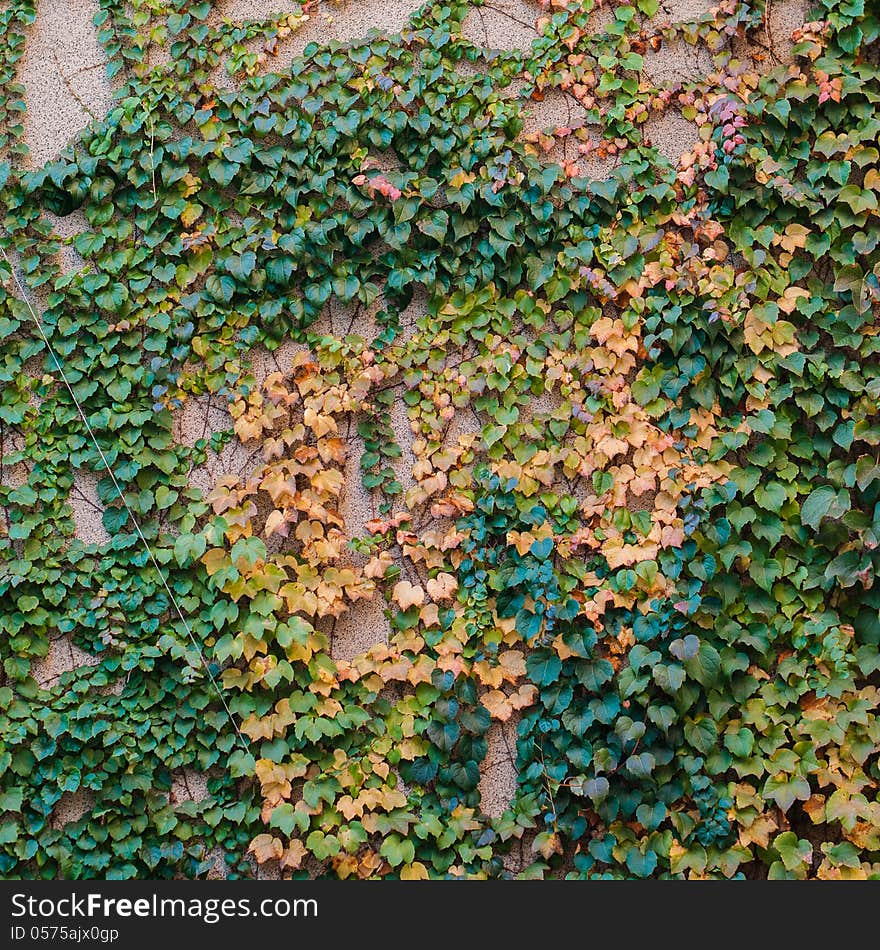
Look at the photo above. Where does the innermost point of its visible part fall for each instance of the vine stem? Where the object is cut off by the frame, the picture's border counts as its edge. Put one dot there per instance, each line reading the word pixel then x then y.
pixel 69 87
pixel 152 153
pixel 546 775
pixel 766 21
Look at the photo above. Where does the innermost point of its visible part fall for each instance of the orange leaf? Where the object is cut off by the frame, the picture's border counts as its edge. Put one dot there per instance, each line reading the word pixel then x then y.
pixel 265 848
pixel 292 857
pixel 497 704
pixel 442 587
pixel 408 595
pixel 524 696
pixel 377 566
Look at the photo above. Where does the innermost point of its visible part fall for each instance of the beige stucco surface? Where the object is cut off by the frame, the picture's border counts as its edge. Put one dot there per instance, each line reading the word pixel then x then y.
pixel 66 87
pixel 63 75
pixel 347 20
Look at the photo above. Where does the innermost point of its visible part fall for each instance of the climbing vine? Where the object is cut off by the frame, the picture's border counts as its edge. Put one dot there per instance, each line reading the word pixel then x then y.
pixel 619 436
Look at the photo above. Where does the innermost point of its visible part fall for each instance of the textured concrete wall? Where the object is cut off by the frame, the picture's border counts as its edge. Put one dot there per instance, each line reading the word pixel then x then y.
pixel 66 87
pixel 63 74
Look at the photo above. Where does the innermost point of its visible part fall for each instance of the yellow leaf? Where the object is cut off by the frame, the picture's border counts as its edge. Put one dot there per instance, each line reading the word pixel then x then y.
pixel 815 808
pixel 563 651
pixel 522 541
pixel 421 671
pixel 457 181
pixel 524 696
pixel 604 328
pixel 191 214
pixel 758 832
pixel 344 865
pixel 214 559
pixel 753 334
pixel 319 424
pixel 414 872
pixel 247 428
pixel 349 808
pixel 513 663
pixel 412 748
pixel 280 486
pixel 488 675
pixel 329 481
pixel 789 299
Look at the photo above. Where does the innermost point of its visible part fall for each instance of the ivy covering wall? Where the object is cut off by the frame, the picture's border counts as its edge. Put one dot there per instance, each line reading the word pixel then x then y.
pixel 653 548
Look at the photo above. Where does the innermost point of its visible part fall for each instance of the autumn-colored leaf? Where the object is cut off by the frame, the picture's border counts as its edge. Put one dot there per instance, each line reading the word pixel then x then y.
pixel 442 587
pixel 407 595
pixel 266 847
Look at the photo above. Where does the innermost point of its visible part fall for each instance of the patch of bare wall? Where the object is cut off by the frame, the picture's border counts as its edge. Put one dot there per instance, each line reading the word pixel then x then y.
pixel 64 76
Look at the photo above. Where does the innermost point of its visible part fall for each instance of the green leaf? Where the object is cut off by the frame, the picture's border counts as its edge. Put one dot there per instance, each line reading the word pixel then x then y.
pixel 641 765
pixel 220 288
pixel 596 789
pixel 705 666
pixel 771 497
pixel 476 720
pixel 12 799
pixel 641 865
pixel 824 502
pixel 323 846
pixel 222 172
pixel 701 733
pixel 189 548
pixel 740 743
pixel 669 677
pixel 817 505
pixel 434 225
pixel 795 852
pixel 241 764
pixel 113 297
pixel 287 819
pixel 786 790
pixel 89 243
pixel 543 667
pixel 444 735
pixel 650 815
pixel 593 674
pixel 845 568
pixel 662 716
pixel 397 850
pixel 765 573
pixel 466 775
